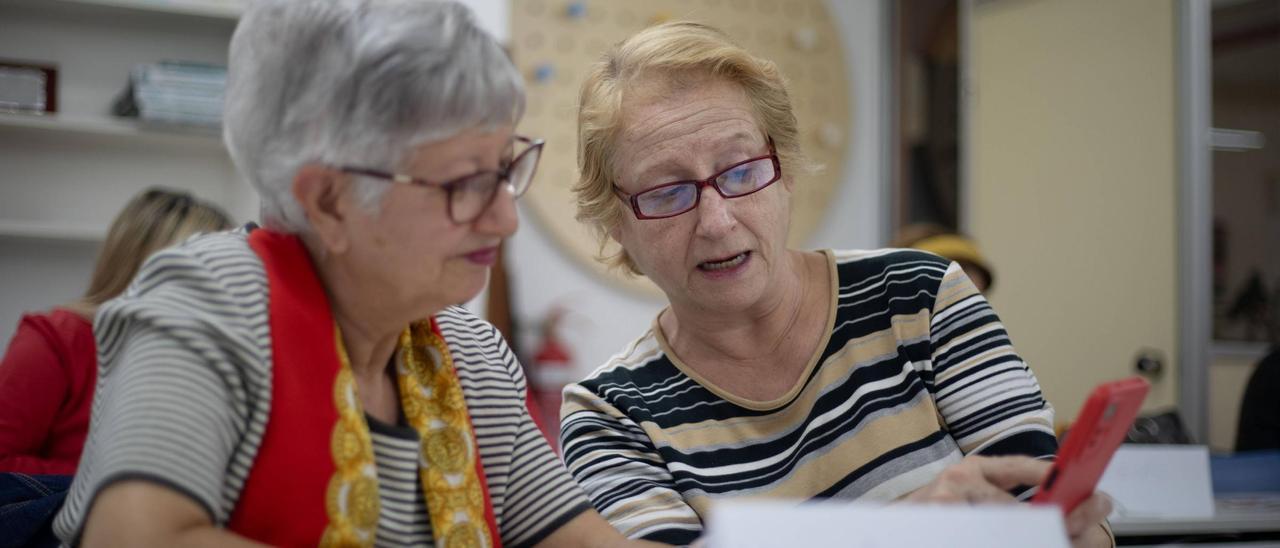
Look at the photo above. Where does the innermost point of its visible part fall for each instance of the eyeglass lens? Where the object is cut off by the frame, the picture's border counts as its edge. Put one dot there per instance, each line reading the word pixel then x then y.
pixel 737 181
pixel 472 195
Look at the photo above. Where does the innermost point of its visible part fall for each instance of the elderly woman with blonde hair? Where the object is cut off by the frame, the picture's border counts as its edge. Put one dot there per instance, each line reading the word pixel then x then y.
pixel 49 370
pixel 774 372
pixel 311 382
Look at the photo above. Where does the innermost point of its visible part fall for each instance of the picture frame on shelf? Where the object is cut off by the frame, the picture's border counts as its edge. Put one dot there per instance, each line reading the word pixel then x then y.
pixel 28 87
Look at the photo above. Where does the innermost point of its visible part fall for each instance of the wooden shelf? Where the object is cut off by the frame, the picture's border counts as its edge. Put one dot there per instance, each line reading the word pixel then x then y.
pixel 61 232
pixel 493 15
pixel 215 9
pixel 114 128
pixel 1239 349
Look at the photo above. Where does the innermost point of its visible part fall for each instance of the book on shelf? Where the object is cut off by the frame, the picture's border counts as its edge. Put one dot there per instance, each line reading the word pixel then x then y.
pixel 231 6
pixel 175 92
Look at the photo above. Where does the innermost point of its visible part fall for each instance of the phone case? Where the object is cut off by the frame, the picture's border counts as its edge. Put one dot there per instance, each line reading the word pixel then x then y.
pixel 1097 433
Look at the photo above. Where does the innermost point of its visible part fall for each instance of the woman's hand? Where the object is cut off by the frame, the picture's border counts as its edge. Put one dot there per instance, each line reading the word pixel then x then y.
pixel 978 479
pixel 985 480
pixel 1084 524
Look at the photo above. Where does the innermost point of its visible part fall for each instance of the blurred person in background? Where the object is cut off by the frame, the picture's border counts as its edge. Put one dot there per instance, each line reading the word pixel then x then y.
pixel 1258 428
pixel 950 245
pixel 49 370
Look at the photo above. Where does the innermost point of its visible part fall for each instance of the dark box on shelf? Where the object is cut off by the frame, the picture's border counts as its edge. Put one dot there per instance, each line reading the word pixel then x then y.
pixel 28 87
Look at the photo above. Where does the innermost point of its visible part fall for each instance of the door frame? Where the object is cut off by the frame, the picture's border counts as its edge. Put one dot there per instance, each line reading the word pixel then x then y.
pixel 1195 213
pixel 1195 196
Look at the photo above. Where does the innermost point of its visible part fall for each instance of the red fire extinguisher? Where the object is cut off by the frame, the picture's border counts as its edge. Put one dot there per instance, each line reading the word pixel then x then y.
pixel 552 370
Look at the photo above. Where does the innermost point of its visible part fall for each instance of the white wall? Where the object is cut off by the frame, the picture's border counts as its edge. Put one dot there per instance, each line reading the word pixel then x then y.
pixel 39 274
pixel 603 319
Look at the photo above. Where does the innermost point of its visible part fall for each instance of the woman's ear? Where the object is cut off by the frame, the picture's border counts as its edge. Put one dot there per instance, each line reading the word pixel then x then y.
pixel 322 193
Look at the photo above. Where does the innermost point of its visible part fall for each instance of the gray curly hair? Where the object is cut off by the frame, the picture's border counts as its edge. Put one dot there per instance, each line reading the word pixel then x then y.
pixel 362 82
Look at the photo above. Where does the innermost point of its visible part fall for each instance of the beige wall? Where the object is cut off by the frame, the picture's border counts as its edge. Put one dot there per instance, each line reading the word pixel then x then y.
pixel 1073 182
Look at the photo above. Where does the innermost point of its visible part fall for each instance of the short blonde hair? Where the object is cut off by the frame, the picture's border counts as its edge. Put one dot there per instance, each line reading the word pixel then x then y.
pixel 153 220
pixel 669 48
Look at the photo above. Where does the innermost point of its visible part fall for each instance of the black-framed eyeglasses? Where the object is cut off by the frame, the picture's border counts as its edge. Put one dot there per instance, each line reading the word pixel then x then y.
pixel 738 180
pixel 471 195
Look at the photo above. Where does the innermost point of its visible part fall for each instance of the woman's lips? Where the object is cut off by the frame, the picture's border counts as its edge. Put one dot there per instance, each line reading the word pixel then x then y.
pixel 726 266
pixel 484 257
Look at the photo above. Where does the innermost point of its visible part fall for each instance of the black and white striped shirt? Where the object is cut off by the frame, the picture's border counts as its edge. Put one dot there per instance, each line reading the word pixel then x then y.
pixel 913 372
pixel 184 392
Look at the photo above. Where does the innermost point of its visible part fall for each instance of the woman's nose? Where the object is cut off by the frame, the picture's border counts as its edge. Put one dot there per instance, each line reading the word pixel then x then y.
pixel 715 215
pixel 500 218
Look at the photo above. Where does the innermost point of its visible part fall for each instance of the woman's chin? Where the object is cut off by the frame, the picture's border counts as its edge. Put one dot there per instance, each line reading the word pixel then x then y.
pixel 732 300
pixel 727 296
pixel 469 289
pixel 457 291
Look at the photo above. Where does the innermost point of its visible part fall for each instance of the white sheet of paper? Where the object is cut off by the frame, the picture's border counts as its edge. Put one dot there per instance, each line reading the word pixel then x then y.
pixel 751 524
pixel 1159 482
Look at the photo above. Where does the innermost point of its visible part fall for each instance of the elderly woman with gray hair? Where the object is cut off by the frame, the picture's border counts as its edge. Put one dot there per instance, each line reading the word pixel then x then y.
pixel 310 382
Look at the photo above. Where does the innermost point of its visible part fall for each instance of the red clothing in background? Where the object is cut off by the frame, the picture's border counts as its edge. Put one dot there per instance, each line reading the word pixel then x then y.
pixel 46 390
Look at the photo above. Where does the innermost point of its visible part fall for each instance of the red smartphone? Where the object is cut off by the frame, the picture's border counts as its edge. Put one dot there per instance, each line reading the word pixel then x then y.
pixel 1091 440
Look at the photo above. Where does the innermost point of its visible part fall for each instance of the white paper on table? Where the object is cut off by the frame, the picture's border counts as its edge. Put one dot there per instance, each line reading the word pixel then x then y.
pixel 750 524
pixel 1159 482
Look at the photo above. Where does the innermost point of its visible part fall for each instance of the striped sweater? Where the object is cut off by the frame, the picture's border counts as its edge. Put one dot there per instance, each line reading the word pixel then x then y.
pixel 184 392
pixel 914 372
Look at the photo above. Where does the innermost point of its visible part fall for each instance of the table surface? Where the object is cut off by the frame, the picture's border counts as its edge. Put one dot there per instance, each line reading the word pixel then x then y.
pixel 1258 544
pixel 1258 513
